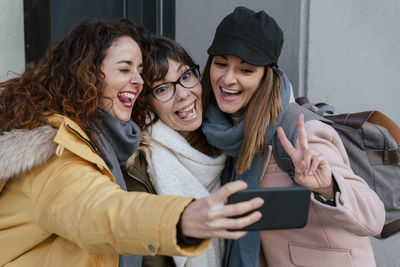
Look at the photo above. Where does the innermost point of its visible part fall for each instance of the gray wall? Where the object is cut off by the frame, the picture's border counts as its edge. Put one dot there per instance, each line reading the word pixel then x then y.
pixel 354 54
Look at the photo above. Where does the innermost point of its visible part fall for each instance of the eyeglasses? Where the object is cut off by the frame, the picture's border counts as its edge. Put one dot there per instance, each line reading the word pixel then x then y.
pixel 189 79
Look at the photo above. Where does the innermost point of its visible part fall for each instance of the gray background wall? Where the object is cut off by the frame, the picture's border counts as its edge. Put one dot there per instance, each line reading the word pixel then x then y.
pixel 12 52
pixel 354 54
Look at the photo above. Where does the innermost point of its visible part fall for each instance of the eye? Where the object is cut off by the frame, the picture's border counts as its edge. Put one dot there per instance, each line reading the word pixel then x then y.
pixel 161 90
pixel 186 75
pixel 220 64
pixel 246 71
pixel 124 70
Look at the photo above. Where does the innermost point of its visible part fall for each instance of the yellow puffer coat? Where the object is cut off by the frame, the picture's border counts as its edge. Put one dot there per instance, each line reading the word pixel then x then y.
pixel 59 205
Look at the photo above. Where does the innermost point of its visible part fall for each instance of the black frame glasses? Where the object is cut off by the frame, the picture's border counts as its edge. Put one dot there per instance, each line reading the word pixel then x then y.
pixel 195 70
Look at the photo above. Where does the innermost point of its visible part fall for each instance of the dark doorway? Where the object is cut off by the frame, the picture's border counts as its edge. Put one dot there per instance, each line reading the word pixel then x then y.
pixel 48 20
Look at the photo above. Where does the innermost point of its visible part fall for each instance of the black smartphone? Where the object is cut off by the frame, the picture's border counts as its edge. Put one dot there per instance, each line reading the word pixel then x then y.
pixel 284 207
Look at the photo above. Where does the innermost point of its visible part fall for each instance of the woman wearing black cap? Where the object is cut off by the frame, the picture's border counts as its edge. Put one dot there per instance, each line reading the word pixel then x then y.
pixel 248 98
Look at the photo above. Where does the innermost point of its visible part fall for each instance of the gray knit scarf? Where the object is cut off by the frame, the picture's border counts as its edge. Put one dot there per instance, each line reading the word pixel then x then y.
pixel 116 142
pixel 227 137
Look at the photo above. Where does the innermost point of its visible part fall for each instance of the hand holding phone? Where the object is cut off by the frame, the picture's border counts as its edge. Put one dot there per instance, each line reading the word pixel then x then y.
pixel 284 207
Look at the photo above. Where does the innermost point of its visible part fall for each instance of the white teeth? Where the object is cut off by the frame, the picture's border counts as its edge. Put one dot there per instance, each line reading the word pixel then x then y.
pixel 129 95
pixel 190 114
pixel 188 108
pixel 229 91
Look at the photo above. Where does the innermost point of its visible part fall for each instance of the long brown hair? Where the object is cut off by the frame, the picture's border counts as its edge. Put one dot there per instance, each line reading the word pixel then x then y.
pixel 164 49
pixel 263 108
pixel 68 80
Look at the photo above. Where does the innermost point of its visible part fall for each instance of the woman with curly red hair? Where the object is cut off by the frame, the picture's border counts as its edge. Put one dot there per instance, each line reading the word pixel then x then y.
pixel 66 129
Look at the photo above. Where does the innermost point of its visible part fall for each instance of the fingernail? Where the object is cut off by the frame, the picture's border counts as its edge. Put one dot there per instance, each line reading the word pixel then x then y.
pixel 260 201
pixel 306 172
pixel 310 172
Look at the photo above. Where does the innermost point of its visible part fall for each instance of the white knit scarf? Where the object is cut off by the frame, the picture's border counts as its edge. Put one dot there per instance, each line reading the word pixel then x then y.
pixel 176 168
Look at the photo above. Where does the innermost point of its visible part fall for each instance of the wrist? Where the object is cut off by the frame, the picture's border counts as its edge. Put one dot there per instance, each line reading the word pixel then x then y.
pixel 326 192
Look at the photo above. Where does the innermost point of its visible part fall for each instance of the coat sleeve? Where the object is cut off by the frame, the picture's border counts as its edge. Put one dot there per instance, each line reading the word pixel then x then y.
pixel 358 208
pixel 73 199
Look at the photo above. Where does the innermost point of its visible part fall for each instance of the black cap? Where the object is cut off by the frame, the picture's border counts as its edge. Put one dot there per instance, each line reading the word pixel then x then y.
pixel 254 37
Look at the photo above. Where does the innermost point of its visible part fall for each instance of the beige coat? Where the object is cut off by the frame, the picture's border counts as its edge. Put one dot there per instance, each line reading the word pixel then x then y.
pixel 59 205
pixel 334 236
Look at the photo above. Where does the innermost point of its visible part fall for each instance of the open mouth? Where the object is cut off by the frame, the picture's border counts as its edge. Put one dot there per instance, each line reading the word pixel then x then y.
pixel 226 91
pixel 187 112
pixel 126 98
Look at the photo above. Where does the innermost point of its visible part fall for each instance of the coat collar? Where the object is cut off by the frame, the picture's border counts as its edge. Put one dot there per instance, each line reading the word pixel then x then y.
pixel 21 149
pixel 71 136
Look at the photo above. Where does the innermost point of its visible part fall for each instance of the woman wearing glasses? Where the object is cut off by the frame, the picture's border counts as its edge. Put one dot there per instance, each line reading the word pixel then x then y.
pixel 175 158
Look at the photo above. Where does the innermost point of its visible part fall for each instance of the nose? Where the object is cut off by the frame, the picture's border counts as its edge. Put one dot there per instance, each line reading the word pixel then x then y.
pixel 136 78
pixel 229 77
pixel 181 92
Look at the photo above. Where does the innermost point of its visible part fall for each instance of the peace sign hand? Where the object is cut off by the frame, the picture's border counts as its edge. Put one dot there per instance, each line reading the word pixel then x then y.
pixel 311 168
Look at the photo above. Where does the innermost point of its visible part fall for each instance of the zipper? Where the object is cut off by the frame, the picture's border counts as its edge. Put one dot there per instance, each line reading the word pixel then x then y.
pixel 141 182
pixel 87 141
pixel 385 147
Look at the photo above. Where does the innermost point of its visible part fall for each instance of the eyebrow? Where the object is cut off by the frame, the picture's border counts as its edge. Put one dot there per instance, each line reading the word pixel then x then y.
pixel 181 66
pixel 128 62
pixel 125 61
pixel 163 81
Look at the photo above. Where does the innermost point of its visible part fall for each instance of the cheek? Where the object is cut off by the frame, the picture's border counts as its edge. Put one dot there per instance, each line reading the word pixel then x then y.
pixel 213 75
pixel 110 88
pixel 198 90
pixel 253 85
pixel 158 108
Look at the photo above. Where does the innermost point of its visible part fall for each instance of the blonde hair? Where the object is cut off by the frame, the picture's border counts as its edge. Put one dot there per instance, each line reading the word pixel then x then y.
pixel 264 107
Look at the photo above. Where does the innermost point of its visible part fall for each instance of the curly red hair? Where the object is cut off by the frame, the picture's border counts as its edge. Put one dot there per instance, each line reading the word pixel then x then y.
pixel 68 80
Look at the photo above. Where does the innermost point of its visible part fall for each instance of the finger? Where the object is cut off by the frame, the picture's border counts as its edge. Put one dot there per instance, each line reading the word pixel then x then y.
pixel 220 228
pixel 241 222
pixel 286 143
pixel 309 156
pixel 241 208
pixel 317 161
pixel 300 167
pixel 228 189
pixel 227 224
pixel 301 133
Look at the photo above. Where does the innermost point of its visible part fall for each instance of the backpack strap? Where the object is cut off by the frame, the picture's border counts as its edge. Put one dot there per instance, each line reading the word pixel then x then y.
pixel 321 108
pixel 353 120
pixel 381 119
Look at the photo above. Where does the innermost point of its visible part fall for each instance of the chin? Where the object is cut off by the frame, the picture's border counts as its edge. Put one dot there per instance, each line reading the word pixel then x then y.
pixel 197 125
pixel 123 117
pixel 228 109
pixel 193 127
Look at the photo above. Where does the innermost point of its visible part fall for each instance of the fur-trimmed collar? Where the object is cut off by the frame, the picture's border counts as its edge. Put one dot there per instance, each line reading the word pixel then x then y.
pixel 22 150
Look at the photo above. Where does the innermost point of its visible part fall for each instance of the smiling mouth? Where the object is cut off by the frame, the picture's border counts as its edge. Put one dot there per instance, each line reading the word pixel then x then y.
pixel 126 98
pixel 230 92
pixel 187 112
